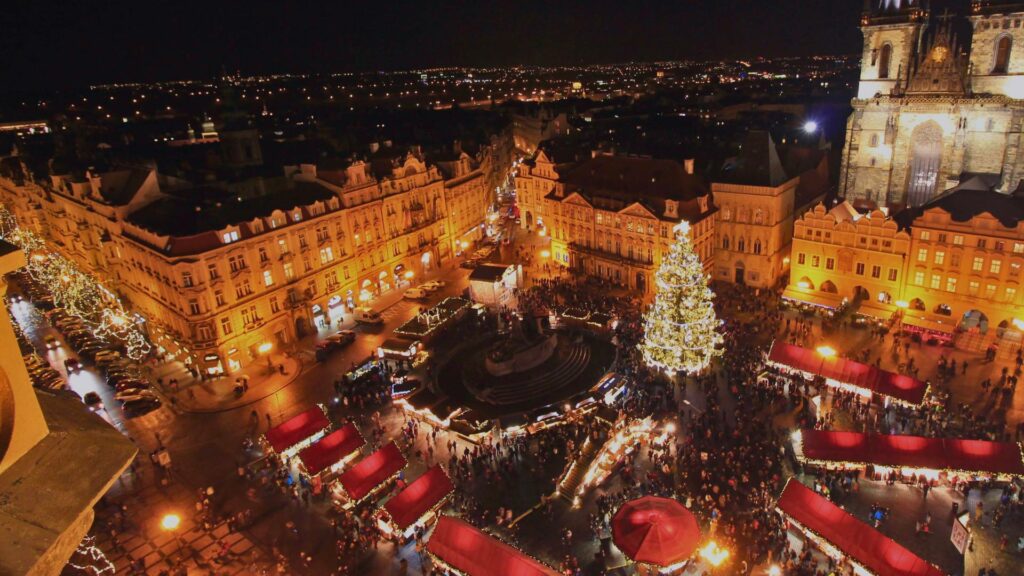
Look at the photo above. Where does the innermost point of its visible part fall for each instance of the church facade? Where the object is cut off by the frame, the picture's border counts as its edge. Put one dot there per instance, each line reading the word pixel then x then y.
pixel 929 113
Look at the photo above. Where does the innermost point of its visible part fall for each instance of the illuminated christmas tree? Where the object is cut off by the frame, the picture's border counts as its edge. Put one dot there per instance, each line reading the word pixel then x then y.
pixel 681 329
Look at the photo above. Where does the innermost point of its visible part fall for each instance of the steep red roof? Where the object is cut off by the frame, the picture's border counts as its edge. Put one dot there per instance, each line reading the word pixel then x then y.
pixel 861 542
pixel 471 552
pixel 416 499
pixel 913 452
pixel 846 371
pixel 331 448
pixel 372 471
pixel 295 430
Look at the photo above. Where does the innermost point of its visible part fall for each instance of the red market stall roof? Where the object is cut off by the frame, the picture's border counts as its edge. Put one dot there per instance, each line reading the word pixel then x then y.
pixel 295 430
pixel 846 371
pixel 474 553
pixel 331 449
pixel 419 497
pixel 867 546
pixel 974 456
pixel 653 530
pixel 370 472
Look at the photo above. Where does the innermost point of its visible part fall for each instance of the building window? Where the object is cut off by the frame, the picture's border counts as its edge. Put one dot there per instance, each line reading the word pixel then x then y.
pixel 995 266
pixel 263 255
pixel 1011 294
pixel 940 257
pixel 218 297
pixel 830 263
pixel 918 278
pixel 230 237
pixel 193 307
pixel 289 272
pixel 204 333
pixel 225 325
pixel 1018 247
pixel 978 264
pixel 757 246
pixel 926 235
pixel 876 271
pixel 801 258
pixel 922 254
pixel 982 243
pixel 725 242
pixel 954 260
pixel 972 288
pixel 936 281
pixel 326 255
pixel 990 290
pixel 236 263
pixel 958 240
pixel 1014 269
pixel 860 268
pixel 268 278
pixel 815 261
pixel 951 284
pixel 212 269
pixel 884 61
pixel 1004 45
pixel 892 274
pixel 274 306
pixel 186 279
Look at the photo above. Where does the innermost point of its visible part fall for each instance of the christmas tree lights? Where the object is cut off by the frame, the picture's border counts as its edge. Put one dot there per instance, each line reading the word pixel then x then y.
pixel 681 328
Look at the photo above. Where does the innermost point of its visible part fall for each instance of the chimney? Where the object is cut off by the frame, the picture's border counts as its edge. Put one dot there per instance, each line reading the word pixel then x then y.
pixel 688 166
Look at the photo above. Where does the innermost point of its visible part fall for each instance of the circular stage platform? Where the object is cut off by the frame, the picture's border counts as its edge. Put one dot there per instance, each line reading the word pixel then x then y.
pixel 556 367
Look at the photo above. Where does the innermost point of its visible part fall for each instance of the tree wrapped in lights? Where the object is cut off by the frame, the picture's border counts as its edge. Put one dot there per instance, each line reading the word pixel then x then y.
pixel 681 328
pixel 78 292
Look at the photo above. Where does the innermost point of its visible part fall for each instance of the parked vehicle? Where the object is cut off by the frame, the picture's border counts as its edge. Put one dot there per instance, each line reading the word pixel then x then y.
pixel 135 395
pixel 92 399
pixel 139 406
pixel 433 285
pixel 51 341
pixel 415 294
pixel 72 365
pixel 365 315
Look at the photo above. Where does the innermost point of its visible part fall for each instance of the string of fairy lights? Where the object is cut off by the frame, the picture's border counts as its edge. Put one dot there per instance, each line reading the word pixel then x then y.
pixel 90 559
pixel 76 291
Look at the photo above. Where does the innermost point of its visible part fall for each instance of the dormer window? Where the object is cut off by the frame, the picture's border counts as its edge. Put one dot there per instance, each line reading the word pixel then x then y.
pixel 297 216
pixel 230 236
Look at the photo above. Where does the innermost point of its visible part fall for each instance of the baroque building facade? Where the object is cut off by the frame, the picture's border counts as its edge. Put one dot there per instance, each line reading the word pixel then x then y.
pixel 928 114
pixel 222 273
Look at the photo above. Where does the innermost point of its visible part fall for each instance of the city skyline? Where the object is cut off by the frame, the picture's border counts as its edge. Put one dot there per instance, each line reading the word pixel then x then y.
pixel 188 41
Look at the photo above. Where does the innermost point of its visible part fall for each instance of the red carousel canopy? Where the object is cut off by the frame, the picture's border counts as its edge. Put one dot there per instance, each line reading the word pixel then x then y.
pixel 869 547
pixel 471 552
pixel 295 430
pixel 913 452
pixel 416 499
pixel 331 448
pixel 653 530
pixel 846 371
pixel 370 472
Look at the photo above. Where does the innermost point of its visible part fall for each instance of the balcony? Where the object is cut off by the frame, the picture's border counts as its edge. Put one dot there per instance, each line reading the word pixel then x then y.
pixel 237 271
pixel 612 256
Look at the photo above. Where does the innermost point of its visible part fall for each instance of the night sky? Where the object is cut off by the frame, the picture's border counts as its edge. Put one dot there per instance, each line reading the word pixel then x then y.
pixel 47 45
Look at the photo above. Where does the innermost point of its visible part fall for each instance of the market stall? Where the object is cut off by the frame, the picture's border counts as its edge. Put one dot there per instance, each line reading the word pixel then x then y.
pixel 625 437
pixel 417 503
pixel 913 456
pixel 427 325
pixel 657 532
pixel 332 452
pixel 460 547
pixel 294 434
pixel 369 475
pixel 839 535
pixel 402 350
pixel 847 374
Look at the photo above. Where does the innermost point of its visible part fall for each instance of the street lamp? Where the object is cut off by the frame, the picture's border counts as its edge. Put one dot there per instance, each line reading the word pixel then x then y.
pixel 713 554
pixel 170 522
pixel 545 253
pixel 810 127
pixel 826 351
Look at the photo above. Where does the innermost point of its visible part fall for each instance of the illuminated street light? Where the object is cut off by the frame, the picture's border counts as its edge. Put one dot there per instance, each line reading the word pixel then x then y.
pixel 902 304
pixel 265 347
pixel 826 351
pixel 774 570
pixel 545 253
pixel 713 554
pixel 810 127
pixel 170 522
pixel 409 274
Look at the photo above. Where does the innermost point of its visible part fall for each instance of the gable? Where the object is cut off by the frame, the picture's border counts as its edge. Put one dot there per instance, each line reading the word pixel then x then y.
pixel 638 210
